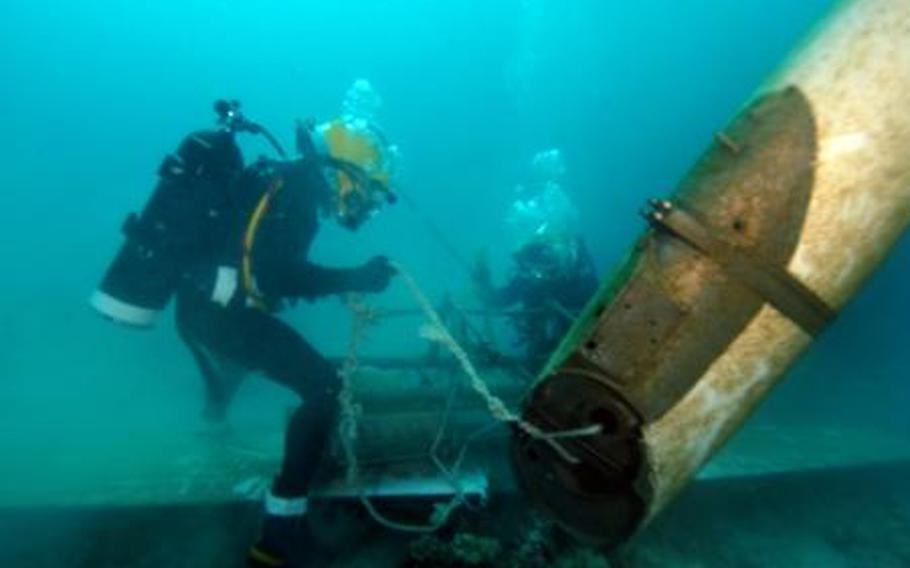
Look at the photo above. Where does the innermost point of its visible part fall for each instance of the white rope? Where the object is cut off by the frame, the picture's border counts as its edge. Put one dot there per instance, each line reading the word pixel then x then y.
pixel 436 331
pixel 349 419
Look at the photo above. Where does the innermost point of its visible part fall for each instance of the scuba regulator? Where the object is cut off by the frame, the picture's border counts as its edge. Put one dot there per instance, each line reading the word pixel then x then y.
pixel 233 120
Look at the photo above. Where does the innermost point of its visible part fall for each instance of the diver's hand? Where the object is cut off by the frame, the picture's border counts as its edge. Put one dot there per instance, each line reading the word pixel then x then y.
pixel 374 275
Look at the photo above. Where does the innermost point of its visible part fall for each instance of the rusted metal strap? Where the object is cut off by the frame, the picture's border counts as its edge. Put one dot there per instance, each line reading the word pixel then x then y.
pixel 774 284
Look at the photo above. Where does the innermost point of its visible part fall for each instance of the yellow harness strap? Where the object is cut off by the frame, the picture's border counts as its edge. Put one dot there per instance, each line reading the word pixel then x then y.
pixel 249 240
pixel 265 558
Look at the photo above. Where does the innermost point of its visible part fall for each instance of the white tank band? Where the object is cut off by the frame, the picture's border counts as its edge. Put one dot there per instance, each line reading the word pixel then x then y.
pixel 122 312
pixel 225 285
pixel 283 507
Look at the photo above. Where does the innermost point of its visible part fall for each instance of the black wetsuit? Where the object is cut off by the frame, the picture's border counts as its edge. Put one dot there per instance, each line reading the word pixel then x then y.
pixel 230 330
pixel 548 304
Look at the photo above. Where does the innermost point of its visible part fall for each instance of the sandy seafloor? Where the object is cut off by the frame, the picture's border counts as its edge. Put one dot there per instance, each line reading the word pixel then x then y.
pixel 781 494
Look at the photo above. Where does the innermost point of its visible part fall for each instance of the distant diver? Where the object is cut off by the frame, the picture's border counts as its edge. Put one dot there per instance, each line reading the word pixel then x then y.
pixel 553 275
pixel 232 244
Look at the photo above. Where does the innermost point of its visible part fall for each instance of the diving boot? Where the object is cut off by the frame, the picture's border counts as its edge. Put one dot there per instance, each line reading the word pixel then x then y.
pixel 286 540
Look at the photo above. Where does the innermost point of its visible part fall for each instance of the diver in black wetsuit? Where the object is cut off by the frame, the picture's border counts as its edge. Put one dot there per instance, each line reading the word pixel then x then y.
pixel 233 244
pixel 551 283
pixel 553 275
pixel 235 328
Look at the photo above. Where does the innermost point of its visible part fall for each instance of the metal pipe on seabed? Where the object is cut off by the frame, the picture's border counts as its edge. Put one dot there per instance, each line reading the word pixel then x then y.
pixel 788 213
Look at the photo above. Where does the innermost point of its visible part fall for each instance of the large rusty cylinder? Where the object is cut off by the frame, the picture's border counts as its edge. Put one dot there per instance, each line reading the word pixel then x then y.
pixel 407 413
pixel 407 441
pixel 774 229
pixel 393 391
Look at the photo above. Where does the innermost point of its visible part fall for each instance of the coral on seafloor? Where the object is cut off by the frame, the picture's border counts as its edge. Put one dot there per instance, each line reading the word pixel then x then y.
pixel 464 549
pixel 471 550
pixel 581 558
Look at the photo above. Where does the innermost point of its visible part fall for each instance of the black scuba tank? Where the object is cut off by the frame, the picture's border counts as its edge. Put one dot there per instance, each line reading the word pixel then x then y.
pixel 172 231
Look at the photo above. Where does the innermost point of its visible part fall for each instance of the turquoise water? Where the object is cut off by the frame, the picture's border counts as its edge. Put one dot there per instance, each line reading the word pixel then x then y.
pixel 95 92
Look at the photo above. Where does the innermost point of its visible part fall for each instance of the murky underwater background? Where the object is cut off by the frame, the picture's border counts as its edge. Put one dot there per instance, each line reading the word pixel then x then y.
pixel 96 92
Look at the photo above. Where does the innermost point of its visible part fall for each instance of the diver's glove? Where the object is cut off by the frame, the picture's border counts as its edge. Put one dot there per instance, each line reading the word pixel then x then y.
pixel 373 276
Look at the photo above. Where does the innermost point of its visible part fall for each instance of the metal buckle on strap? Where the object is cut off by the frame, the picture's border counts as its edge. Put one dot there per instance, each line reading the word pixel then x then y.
pixel 771 282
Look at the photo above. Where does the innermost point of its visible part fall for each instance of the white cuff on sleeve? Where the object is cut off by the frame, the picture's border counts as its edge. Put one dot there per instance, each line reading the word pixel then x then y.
pixel 282 507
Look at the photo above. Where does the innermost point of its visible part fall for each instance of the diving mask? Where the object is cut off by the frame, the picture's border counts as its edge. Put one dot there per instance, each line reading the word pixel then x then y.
pixel 357 195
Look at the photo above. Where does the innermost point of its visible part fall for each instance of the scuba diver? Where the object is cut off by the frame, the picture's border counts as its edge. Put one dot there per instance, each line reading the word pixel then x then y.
pixel 232 243
pixel 553 275
pixel 361 106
